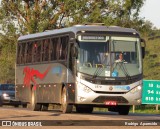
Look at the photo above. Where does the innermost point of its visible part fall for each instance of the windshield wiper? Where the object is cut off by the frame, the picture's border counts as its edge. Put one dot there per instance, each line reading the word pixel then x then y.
pixel 122 66
pixel 126 72
pixel 97 72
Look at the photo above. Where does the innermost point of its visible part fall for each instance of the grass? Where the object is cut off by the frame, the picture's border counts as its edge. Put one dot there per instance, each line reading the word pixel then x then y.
pixel 100 110
pixel 147 109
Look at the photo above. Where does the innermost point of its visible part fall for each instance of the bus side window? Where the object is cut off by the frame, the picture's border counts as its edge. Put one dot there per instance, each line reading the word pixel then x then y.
pixel 37 51
pixel 19 53
pixel 53 46
pixel 23 47
pixel 38 54
pixel 58 49
pixel 63 48
pixel 29 52
pixel 45 50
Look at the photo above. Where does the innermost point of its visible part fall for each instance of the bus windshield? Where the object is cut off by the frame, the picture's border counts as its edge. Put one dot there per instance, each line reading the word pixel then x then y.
pixel 118 58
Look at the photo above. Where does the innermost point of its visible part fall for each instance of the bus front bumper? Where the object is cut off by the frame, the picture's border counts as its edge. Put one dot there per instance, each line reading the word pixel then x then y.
pixel 87 96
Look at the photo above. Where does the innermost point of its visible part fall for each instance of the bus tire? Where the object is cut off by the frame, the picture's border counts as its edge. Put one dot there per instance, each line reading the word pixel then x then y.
pixel 66 107
pixel 84 109
pixel 16 106
pixel 1 102
pixel 34 106
pixel 123 109
pixel 24 105
pixel 44 107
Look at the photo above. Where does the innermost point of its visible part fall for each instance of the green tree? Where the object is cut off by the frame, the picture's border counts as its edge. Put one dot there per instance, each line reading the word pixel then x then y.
pixel 40 15
pixel 19 17
pixel 7 56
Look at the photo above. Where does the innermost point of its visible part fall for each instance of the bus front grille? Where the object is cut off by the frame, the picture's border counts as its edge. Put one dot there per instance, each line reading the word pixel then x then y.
pixel 102 99
pixel 104 92
pixel 119 81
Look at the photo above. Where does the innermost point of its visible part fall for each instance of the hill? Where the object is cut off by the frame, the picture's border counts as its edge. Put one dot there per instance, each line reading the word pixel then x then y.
pixel 151 62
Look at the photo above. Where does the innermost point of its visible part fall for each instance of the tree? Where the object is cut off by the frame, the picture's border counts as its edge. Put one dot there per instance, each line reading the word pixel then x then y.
pixel 8 41
pixel 40 15
pixel 20 17
pixel 7 56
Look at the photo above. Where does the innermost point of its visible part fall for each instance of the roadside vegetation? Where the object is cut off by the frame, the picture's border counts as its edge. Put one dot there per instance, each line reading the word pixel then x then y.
pixel 152 60
pixel 147 109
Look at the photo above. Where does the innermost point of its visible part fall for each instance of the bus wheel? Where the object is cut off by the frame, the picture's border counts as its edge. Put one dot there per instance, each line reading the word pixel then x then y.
pixel 1 102
pixel 44 107
pixel 24 105
pixel 34 106
pixel 16 106
pixel 84 109
pixel 123 109
pixel 66 108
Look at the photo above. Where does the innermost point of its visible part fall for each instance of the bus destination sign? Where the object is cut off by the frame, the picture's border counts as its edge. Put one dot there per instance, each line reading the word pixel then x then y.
pixel 93 37
pixel 151 92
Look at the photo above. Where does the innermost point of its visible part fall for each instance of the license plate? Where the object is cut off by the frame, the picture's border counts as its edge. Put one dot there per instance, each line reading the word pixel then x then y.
pixel 111 103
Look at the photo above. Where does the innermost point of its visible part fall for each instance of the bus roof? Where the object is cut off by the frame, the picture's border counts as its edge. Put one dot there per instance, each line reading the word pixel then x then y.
pixel 78 28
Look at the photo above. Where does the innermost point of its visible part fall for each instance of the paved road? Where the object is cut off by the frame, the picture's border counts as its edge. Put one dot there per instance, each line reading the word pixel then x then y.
pixel 75 120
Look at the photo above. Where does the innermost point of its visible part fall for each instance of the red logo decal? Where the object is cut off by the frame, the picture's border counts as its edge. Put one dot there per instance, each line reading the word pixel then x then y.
pixel 30 74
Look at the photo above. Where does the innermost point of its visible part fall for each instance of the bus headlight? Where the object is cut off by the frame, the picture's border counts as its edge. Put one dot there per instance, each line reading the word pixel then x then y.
pixel 136 89
pixel 83 92
pixel 84 88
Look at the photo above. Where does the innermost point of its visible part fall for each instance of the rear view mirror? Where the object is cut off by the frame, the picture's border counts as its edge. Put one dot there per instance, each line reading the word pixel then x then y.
pixel 75 53
pixel 143 45
pixel 143 52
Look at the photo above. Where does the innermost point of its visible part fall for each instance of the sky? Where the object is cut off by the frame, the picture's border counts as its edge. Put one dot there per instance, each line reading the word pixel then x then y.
pixel 151 11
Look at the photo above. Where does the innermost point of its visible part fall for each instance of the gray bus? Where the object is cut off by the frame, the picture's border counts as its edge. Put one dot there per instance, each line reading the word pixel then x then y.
pixel 84 66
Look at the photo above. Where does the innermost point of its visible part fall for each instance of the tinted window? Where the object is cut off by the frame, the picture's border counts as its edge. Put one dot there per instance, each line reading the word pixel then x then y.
pixel 37 51
pixel 58 48
pixel 45 49
pixel 29 52
pixel 54 49
pixel 21 53
pixel 63 48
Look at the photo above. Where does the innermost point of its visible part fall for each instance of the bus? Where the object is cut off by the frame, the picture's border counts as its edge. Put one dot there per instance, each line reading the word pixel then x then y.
pixel 84 66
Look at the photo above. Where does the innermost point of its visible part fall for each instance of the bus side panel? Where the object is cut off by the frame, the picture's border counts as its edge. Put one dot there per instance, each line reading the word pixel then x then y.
pixel 48 93
pixel 47 80
pixel 44 93
pixel 22 93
